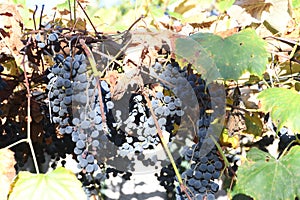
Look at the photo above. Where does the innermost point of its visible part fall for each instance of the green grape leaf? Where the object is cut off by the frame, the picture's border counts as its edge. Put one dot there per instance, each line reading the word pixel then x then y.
pixel 188 50
pixel 284 106
pixel 264 177
pixel 253 124
pixel 296 4
pixel 223 5
pixel 233 56
pixel 59 184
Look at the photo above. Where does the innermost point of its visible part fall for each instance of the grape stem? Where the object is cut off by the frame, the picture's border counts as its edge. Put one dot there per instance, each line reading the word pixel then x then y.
pixel 165 146
pixel 96 74
pixel 101 105
pixel 90 57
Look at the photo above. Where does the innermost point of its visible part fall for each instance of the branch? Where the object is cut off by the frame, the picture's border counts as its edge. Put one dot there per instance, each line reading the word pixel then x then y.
pixel 28 116
pixel 165 146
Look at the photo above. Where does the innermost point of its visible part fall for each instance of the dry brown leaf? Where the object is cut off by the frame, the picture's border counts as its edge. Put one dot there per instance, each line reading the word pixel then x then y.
pixel 241 16
pixel 12 27
pixel 80 24
pixel 275 13
pixel 256 8
pixel 145 44
pixel 7 171
pixel 122 85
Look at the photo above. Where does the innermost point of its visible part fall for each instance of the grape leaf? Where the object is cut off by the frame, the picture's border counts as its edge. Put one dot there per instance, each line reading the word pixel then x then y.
pixel 233 56
pixel 58 184
pixel 188 50
pixel 284 106
pixel 263 177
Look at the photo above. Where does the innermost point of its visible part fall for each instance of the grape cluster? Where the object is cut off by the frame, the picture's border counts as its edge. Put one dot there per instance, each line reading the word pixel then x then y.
pixel 200 176
pixel 140 129
pixel 75 107
pixel 82 107
pixel 175 79
pixel 205 165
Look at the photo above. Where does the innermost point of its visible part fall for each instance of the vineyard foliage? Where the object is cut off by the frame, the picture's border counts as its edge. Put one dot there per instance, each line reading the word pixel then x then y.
pixel 264 177
pixel 214 86
pixel 59 184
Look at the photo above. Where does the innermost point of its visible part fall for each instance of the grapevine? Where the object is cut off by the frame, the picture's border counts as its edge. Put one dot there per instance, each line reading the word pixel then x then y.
pixel 187 104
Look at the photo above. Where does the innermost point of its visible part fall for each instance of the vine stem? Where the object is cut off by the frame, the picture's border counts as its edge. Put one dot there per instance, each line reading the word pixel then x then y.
pixel 29 117
pixel 165 146
pixel 28 138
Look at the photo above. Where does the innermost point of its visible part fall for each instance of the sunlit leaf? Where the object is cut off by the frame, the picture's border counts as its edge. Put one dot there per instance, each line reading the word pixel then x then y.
pixel 284 106
pixel 230 57
pixel 59 184
pixel 223 5
pixel 296 3
pixel 239 53
pixel 264 177
pixel 189 51
pixel 253 124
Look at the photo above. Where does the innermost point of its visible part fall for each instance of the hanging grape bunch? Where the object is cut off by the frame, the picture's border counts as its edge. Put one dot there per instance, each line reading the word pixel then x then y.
pixel 122 132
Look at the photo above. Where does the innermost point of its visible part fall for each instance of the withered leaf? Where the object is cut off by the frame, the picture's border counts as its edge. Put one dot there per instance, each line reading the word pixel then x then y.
pixel 122 85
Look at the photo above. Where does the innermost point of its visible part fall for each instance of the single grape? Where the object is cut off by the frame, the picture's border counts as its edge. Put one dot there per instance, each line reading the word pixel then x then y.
pixel 202 189
pixel 198 175
pixel 77 151
pixel 67 83
pixel 214 187
pixel 90 158
pixel 210 197
pixel 85 124
pixel 167 99
pixel 218 165
pixel 67 76
pixel 204 183
pixel 75 121
pixel 53 37
pixel 211 168
pixel 207 176
pixel 67 100
pixel 216 174
pixel 105 86
pixel 171 106
pixel 55 109
pixel 75 64
pixel 95 134
pixel 80 144
pixel 97 120
pixel 192 181
pixel 197 185
pixel 83 163
pixel 159 111
pixel 69 129
pixel 159 95
pixel 82 68
pixel 82 136
pixel 95 143
pixel 199 197
pixel 203 167
pixel 110 105
pixel 162 121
